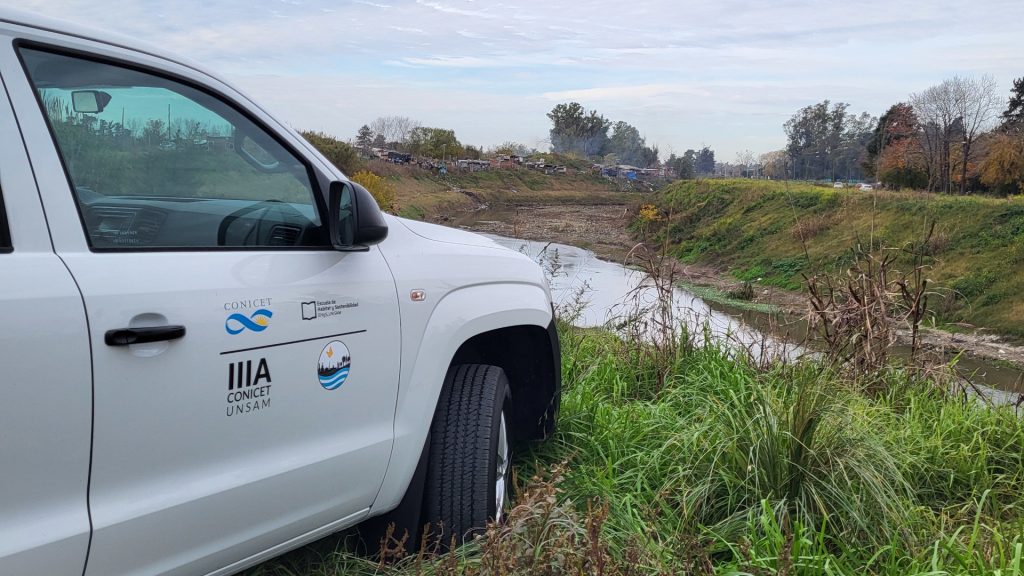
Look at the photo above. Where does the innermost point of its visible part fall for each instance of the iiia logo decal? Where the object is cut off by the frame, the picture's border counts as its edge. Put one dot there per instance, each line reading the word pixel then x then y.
pixel 333 367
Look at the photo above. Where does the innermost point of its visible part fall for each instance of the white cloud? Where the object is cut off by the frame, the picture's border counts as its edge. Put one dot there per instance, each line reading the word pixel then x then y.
pixel 724 72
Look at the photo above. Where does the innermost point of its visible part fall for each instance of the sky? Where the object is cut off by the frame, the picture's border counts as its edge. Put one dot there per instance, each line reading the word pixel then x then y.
pixel 686 73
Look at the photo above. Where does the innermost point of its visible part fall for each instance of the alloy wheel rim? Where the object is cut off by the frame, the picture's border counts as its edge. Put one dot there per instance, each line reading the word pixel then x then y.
pixel 502 470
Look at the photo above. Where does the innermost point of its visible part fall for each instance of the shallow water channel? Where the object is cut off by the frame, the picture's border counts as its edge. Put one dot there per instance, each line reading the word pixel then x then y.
pixel 607 293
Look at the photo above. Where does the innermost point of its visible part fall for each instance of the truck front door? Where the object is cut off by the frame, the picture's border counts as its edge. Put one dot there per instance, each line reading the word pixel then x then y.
pixel 246 373
pixel 45 383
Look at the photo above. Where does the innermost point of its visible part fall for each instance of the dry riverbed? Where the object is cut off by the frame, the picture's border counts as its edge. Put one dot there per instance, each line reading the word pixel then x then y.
pixel 603 230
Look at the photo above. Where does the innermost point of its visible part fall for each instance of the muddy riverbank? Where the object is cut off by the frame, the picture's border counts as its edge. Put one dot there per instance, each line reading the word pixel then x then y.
pixel 603 229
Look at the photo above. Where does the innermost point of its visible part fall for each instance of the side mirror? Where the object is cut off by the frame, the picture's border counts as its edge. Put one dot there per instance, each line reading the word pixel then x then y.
pixel 356 222
pixel 89 101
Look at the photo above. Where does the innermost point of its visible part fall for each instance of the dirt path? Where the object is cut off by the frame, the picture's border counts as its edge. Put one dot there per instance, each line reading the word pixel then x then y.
pixel 603 230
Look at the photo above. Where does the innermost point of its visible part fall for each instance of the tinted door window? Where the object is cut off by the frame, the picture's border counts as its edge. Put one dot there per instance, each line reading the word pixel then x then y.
pixel 155 163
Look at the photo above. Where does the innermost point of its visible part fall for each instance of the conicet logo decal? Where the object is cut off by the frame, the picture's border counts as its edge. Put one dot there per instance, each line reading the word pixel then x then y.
pixel 258 321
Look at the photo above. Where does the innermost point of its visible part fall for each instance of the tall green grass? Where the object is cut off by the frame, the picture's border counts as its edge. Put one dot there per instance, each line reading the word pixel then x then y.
pixel 728 468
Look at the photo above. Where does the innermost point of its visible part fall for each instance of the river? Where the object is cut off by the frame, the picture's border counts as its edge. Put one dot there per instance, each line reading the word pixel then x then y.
pixel 608 292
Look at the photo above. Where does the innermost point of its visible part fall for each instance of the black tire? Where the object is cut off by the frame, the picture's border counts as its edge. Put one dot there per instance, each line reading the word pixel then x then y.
pixel 461 486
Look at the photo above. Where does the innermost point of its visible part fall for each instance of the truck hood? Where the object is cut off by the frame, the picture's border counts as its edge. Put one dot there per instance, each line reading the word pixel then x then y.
pixel 448 235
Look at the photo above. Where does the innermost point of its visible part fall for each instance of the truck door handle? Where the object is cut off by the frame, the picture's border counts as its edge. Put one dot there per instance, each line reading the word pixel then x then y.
pixel 128 336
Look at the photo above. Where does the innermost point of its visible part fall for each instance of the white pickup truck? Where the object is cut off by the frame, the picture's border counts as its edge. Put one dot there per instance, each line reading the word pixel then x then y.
pixel 215 348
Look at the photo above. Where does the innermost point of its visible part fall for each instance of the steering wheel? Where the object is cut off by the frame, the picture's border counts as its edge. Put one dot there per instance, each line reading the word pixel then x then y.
pixel 257 229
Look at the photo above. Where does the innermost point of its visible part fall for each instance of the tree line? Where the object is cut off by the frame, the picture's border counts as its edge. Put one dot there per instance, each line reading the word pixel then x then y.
pixel 404 134
pixel 948 138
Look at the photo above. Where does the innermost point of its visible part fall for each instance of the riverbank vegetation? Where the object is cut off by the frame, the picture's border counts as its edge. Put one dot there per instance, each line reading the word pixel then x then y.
pixel 679 454
pixel 727 466
pixel 774 233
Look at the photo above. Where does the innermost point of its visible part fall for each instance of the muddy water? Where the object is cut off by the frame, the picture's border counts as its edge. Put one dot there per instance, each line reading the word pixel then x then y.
pixel 605 294
pixel 609 292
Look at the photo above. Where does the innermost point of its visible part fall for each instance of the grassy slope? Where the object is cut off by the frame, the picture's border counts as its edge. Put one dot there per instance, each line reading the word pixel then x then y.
pixel 726 468
pixel 423 194
pixel 750 227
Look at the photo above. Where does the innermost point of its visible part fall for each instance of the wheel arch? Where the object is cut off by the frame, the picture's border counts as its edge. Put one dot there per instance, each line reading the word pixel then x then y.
pixel 527 355
pixel 474 322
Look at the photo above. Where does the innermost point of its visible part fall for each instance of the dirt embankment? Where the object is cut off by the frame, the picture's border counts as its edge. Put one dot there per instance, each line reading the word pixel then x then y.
pixel 603 229
pixel 600 229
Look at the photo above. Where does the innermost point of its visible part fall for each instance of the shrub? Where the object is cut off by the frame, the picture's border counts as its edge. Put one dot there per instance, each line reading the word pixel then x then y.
pixel 382 191
pixel 970 287
pixel 343 156
pixel 744 291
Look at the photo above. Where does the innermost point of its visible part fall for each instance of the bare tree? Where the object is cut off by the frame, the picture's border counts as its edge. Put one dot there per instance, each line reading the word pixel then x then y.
pixel 976 104
pixel 774 164
pixel 747 162
pixel 936 112
pixel 394 129
pixel 957 110
pixel 189 128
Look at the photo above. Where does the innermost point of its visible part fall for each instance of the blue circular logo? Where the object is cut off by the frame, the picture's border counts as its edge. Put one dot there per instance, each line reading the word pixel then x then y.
pixel 333 367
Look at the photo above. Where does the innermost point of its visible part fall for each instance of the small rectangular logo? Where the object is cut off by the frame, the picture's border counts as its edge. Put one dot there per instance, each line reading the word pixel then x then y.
pixel 309 310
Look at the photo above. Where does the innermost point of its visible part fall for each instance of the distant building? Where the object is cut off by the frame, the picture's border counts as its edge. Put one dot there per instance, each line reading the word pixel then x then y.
pixel 473 165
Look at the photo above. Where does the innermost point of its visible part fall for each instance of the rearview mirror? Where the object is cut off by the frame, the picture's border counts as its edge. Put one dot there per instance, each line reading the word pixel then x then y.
pixel 255 154
pixel 356 221
pixel 89 101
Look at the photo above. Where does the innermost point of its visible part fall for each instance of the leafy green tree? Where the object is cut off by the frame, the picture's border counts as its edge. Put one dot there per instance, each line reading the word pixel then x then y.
pixel 688 169
pixel 848 160
pixel 814 134
pixel 649 157
pixel 574 130
pixel 705 162
pixel 626 143
pixel 434 143
pixel 510 148
pixel 683 167
pixel 1014 114
pixel 364 138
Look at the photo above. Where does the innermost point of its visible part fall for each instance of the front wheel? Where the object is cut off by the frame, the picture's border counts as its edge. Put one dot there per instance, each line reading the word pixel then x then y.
pixel 470 452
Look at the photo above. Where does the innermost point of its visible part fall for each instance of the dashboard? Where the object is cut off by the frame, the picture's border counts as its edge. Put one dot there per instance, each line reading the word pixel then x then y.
pixel 118 222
